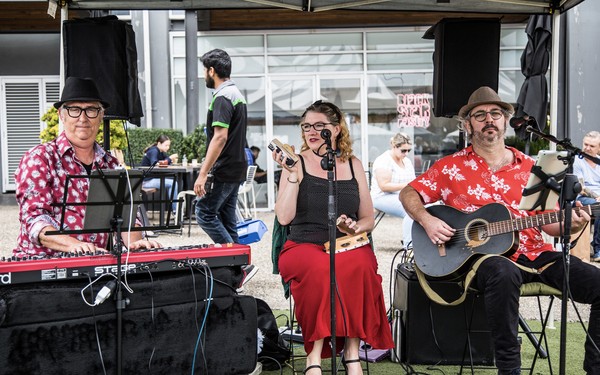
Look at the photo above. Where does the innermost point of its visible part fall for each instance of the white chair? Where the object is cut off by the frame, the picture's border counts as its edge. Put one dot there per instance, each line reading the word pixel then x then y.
pixel 245 188
pixel 180 209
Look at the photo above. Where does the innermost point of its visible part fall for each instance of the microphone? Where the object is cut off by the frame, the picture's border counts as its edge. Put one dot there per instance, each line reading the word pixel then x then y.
pixel 326 135
pixel 518 122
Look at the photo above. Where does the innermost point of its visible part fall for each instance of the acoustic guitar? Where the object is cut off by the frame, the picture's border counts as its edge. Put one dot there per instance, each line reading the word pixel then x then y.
pixel 489 230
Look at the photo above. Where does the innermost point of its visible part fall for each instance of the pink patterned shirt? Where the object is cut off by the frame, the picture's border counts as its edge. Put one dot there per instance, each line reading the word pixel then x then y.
pixel 464 181
pixel 40 179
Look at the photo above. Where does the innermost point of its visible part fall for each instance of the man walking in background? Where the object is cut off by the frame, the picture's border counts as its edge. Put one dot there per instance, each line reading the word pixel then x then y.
pixel 225 158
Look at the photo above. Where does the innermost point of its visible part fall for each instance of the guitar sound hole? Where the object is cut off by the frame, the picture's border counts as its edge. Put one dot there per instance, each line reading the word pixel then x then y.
pixel 477 233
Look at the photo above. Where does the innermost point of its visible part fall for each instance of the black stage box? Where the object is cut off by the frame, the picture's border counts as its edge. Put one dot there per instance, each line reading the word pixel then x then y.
pixel 48 329
pixel 434 334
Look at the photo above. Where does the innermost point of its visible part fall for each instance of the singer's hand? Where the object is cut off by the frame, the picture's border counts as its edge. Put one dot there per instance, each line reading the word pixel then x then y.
pixel 280 158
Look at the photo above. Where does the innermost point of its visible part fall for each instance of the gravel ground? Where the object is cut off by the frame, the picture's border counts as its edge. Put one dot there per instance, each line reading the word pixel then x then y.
pixel 267 286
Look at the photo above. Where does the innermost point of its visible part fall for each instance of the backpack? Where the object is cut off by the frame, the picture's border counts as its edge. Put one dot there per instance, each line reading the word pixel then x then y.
pixel 274 346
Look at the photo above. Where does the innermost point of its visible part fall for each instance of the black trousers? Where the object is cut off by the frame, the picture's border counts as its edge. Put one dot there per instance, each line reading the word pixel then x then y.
pixel 500 280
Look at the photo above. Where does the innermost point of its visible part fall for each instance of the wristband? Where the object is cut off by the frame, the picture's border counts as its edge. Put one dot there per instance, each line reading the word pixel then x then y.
pixel 292 182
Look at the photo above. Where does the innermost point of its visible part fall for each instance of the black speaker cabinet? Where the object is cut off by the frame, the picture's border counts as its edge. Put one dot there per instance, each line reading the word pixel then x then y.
pixel 466 57
pixel 104 49
pixel 47 328
pixel 436 334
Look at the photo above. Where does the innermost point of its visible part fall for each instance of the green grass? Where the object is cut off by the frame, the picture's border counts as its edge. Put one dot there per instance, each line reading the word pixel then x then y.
pixel 573 360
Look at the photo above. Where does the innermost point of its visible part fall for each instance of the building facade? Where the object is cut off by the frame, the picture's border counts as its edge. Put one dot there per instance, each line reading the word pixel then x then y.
pixel 381 77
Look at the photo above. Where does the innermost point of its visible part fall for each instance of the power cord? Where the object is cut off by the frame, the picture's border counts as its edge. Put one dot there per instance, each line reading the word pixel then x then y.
pixel 105 292
pixel 97 334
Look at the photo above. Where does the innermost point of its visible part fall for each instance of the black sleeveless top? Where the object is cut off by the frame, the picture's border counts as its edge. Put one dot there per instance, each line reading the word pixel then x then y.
pixel 310 223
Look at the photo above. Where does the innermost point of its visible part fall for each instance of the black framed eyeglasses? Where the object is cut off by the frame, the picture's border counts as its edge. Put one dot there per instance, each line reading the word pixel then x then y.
pixel 482 115
pixel 318 126
pixel 90 112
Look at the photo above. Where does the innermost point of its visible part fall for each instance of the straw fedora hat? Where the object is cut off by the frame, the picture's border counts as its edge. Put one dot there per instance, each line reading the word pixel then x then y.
pixel 484 95
pixel 80 90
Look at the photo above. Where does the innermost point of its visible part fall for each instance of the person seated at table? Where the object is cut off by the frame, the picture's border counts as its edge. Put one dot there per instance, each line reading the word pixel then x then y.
pixel 42 174
pixel 157 154
pixel 392 171
pixel 261 175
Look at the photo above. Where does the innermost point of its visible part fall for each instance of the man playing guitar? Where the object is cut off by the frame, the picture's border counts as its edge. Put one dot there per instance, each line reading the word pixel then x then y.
pixel 490 172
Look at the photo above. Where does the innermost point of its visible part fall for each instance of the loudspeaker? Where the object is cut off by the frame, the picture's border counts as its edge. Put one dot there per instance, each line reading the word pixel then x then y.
pixel 466 57
pixel 436 334
pixel 169 325
pixel 104 49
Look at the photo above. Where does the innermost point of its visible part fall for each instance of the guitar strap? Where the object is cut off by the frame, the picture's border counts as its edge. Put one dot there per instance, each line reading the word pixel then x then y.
pixel 435 297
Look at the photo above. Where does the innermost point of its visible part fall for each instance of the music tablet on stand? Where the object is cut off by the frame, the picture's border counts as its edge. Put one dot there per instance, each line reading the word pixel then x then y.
pixel 103 192
pixel 543 186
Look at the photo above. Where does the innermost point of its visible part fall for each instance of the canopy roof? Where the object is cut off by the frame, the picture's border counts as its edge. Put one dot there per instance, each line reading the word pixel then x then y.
pixel 474 6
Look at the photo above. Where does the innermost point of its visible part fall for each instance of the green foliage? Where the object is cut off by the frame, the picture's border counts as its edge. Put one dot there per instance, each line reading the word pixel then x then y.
pixel 141 138
pixel 534 146
pixel 194 145
pixel 118 140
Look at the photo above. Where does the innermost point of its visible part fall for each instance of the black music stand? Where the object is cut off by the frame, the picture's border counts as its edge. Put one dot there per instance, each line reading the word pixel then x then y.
pixel 551 181
pixel 112 194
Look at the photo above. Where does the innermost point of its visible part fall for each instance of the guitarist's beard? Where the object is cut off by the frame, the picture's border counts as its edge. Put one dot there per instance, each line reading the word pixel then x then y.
pixel 484 138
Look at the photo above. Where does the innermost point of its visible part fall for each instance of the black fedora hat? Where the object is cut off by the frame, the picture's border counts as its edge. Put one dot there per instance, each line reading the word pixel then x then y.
pixel 80 90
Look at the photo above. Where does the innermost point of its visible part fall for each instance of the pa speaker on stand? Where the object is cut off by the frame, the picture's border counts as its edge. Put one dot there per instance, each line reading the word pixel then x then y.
pixel 466 57
pixel 104 50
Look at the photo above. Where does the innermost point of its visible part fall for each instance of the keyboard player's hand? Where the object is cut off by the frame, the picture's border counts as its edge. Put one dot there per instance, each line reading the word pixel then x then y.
pixel 144 244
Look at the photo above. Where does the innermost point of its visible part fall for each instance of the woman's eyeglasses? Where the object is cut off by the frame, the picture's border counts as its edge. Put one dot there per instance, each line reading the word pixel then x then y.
pixel 317 125
pixel 90 112
pixel 482 115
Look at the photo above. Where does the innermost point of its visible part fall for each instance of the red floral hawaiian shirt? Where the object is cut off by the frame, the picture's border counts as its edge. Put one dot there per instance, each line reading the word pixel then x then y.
pixel 464 181
pixel 41 178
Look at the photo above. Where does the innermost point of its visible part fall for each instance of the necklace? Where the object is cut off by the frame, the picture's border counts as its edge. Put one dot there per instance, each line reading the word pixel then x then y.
pixel 505 160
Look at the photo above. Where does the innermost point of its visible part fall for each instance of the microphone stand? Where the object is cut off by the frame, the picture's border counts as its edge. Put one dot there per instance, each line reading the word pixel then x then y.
pixel 328 164
pixel 568 193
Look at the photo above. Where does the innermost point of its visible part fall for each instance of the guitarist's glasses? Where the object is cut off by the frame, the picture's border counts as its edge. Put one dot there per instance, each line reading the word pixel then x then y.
pixel 482 115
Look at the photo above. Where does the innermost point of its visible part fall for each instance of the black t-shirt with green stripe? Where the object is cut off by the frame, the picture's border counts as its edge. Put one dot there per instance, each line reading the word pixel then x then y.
pixel 228 109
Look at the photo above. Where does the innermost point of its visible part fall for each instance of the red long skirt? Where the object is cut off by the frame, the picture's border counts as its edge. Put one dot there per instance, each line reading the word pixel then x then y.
pixel 361 312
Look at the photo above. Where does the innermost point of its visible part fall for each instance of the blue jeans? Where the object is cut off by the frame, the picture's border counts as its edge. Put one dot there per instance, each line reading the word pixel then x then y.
pixel 215 212
pixel 390 204
pixel 154 183
pixel 586 201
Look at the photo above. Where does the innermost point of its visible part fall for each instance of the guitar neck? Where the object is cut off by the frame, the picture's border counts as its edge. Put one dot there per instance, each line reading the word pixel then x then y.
pixel 521 223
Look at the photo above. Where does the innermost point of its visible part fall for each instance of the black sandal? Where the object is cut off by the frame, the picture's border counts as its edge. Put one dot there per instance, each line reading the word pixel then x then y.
pixel 312 367
pixel 345 362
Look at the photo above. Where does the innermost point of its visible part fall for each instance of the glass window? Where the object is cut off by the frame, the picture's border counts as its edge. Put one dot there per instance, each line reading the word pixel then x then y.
pixel 393 41
pixel 317 42
pixel 513 37
pixel 400 61
pixel 315 63
pixel 247 65
pixel 179 108
pixel 178 46
pixel 179 66
pixel 233 44
pixel 511 59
